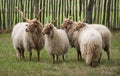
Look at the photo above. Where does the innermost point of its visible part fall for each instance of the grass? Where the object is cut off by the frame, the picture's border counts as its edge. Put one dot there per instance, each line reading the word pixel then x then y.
pixel 10 65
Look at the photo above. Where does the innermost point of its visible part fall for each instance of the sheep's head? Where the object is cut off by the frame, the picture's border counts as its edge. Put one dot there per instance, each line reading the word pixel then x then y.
pixel 88 58
pixel 47 29
pixel 79 26
pixel 33 25
pixel 67 24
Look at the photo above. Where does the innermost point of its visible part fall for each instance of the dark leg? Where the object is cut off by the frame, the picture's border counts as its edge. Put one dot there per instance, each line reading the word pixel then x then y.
pixel 100 58
pixel 107 51
pixel 53 58
pixel 78 52
pixel 79 57
pixel 22 52
pixel 30 54
pixel 63 57
pixel 19 53
pixel 38 53
pixel 57 58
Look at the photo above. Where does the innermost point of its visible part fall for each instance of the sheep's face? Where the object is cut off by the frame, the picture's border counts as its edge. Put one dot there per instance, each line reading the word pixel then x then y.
pixel 34 26
pixel 47 29
pixel 67 23
pixel 88 58
pixel 79 26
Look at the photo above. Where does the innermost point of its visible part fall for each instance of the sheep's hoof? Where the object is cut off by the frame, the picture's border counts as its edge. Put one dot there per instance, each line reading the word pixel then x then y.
pixel 94 64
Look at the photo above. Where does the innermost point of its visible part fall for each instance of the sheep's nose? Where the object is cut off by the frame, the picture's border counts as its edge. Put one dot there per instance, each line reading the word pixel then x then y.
pixel 26 30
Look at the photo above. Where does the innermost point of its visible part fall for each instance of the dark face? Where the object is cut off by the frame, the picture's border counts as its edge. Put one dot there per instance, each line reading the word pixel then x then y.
pixel 47 29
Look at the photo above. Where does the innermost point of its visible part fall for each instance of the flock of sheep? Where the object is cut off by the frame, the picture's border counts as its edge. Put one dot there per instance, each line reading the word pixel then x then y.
pixel 88 39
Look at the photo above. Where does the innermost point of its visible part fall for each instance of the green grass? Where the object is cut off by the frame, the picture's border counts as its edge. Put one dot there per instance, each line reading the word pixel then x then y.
pixel 10 65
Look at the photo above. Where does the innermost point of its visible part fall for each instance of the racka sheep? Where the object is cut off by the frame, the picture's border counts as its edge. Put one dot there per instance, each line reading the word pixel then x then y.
pixel 56 41
pixel 90 42
pixel 27 35
pixel 68 25
pixel 106 36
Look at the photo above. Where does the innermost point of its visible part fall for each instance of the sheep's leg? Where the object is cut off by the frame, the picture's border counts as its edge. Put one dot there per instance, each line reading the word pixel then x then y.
pixel 57 58
pixel 18 52
pixel 107 51
pixel 78 54
pixel 63 57
pixel 30 54
pixel 53 58
pixel 100 58
pixel 79 57
pixel 38 53
pixel 22 52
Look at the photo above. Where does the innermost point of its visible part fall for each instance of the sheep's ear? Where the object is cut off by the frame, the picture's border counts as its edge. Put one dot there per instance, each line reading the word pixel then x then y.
pixel 83 25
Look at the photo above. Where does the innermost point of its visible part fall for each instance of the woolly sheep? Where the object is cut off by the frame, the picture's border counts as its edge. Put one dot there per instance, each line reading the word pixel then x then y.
pixel 90 42
pixel 27 35
pixel 56 41
pixel 68 25
pixel 106 36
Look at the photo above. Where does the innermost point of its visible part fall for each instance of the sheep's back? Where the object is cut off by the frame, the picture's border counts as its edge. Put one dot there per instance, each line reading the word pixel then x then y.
pixel 104 31
pixel 17 34
pixel 91 41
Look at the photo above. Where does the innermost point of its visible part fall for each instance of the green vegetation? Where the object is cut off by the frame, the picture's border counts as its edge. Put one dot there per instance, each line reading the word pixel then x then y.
pixel 10 65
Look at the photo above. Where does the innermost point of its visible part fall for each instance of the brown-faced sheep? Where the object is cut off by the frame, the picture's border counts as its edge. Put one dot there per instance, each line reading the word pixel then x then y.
pixel 56 41
pixel 68 25
pixel 27 35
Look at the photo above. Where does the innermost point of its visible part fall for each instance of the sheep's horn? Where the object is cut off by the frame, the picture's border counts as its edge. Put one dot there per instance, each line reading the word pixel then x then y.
pixel 64 17
pixel 37 16
pixel 47 20
pixel 21 13
pixel 84 20
pixel 54 20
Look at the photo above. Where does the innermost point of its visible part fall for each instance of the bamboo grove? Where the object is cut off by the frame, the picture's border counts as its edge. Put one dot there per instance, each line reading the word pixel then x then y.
pixel 105 12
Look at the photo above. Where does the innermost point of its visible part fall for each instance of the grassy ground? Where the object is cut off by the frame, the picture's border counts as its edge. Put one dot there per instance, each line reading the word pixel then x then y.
pixel 10 65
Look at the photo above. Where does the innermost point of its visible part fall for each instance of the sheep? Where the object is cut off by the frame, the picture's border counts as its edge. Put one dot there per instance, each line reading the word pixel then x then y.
pixel 106 36
pixel 90 43
pixel 56 41
pixel 27 36
pixel 68 25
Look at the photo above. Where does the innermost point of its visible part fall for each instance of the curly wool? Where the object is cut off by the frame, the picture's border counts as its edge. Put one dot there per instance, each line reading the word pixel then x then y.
pixel 58 44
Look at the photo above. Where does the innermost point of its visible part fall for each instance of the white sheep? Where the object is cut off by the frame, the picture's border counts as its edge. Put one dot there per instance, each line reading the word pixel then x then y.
pixel 106 36
pixel 27 35
pixel 68 25
pixel 56 41
pixel 90 42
